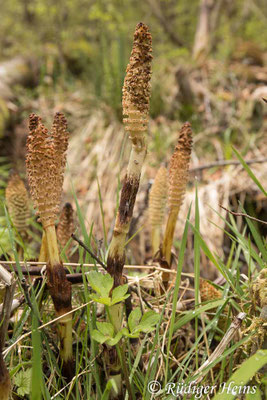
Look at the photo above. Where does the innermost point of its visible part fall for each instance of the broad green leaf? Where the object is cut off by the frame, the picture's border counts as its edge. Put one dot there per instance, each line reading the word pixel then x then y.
pixel 243 375
pixel 126 333
pixel 102 300
pixel 99 337
pixel 115 340
pixel 148 322
pixel 119 294
pixel 101 283
pixel 106 328
pixel 134 318
pixel 23 381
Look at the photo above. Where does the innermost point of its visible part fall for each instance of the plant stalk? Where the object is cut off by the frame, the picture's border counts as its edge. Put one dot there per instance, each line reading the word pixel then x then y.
pixel 60 290
pixel 43 256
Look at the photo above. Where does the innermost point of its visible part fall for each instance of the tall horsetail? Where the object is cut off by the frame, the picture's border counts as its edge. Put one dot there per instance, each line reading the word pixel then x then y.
pixel 156 207
pixel 178 178
pixel 46 159
pixel 17 200
pixel 135 103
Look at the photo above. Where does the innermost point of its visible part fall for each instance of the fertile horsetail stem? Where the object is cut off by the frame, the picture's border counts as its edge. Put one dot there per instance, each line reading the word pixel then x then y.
pixel 46 159
pixel 17 200
pixel 178 177
pixel 135 102
pixel 156 207
pixel 65 226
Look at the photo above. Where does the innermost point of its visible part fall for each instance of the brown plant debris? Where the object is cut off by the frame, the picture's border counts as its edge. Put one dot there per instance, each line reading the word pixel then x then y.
pixel 65 226
pixel 179 166
pixel 17 200
pixel 45 162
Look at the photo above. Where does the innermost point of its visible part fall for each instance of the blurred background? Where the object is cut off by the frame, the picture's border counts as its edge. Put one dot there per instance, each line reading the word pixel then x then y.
pixel 210 68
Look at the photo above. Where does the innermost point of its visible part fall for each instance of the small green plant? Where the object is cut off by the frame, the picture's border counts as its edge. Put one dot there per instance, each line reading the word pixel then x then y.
pixel 137 323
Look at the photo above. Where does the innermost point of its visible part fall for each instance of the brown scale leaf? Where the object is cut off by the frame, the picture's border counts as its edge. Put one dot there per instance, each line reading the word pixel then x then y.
pixel 17 200
pixel 158 197
pixel 45 166
pixel 66 225
pixel 179 165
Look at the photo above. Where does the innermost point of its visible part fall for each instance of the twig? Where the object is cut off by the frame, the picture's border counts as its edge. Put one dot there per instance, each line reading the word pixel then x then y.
pixel 74 237
pixel 37 271
pixel 6 310
pixel 5 276
pixel 16 303
pixel 25 335
pixel 237 214
pixel 25 288
pixel 235 325
pixel 224 163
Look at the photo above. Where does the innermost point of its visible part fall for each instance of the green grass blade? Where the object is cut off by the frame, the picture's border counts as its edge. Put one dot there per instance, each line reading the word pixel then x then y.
pixel 225 273
pixel 150 373
pixel 196 265
pixel 102 214
pixel 257 237
pixel 243 375
pixel 189 315
pixel 176 291
pixel 249 171
pixel 37 374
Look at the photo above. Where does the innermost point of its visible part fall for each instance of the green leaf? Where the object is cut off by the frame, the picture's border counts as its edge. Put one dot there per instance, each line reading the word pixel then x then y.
pixel 148 322
pixel 249 171
pixel 240 377
pixel 111 384
pixel 103 300
pixel 115 340
pixel 106 328
pixel 23 381
pixel 98 336
pixel 101 283
pixel 134 318
pixel 126 333
pixel 119 294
